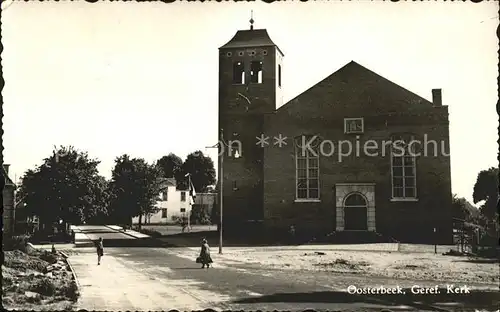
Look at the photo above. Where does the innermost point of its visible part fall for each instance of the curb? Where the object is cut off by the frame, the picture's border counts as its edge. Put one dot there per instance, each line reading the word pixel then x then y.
pixel 75 277
pixel 30 245
pixel 65 256
pixel 84 244
pixel 124 232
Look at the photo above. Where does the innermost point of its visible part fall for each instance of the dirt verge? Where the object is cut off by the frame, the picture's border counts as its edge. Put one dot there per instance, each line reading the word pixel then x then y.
pixel 38 280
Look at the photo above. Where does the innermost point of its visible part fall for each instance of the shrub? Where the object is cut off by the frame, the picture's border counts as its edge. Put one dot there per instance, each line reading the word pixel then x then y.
pixel 488 240
pixel 35 299
pixel 71 291
pixel 150 232
pixel 7 280
pixel 199 215
pixel 16 242
pixel 44 287
pixel 181 221
pixel 49 257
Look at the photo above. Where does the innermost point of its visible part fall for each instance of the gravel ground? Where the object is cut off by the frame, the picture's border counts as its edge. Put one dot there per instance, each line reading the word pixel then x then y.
pixel 397 265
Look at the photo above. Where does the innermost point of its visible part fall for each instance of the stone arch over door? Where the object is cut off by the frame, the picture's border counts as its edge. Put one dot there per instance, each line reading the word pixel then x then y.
pixel 355 212
pixel 357 196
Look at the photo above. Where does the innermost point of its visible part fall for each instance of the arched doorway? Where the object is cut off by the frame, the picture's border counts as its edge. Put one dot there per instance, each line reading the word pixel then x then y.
pixel 355 213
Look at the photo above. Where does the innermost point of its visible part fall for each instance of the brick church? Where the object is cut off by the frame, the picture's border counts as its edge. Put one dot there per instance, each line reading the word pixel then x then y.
pixel 293 166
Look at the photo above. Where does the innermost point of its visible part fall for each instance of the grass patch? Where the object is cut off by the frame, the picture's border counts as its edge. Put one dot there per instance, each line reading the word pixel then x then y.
pixel 149 232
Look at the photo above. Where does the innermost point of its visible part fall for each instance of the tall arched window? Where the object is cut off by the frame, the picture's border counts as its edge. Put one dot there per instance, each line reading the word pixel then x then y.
pixel 403 167
pixel 307 167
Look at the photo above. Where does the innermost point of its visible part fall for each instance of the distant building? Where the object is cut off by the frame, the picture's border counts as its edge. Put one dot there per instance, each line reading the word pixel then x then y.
pixel 294 176
pixel 205 201
pixel 8 194
pixel 172 204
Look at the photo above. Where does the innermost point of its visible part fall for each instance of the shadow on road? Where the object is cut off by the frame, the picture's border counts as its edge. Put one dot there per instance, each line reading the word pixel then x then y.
pixel 476 299
pixel 96 231
pixel 485 261
pixel 193 239
pixel 135 242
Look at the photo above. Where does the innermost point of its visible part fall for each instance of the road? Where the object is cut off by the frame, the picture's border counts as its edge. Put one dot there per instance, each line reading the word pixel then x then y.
pixel 96 231
pixel 156 278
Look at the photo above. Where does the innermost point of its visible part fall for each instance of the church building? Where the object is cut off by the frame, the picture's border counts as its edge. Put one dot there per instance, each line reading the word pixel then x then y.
pixel 355 153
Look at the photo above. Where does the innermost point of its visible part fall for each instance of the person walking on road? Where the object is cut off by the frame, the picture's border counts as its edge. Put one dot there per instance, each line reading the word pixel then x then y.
pixel 205 258
pixel 100 250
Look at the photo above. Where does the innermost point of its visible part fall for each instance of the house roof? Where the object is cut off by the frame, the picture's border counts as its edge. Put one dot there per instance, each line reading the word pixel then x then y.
pixel 8 180
pixel 361 79
pixel 474 211
pixel 251 38
pixel 166 182
pixel 205 198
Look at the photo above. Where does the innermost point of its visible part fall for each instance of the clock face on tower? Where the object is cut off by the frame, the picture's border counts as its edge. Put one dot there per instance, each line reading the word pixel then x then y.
pixel 244 98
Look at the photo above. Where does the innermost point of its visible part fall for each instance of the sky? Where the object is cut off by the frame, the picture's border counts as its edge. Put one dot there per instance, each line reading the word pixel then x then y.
pixel 142 78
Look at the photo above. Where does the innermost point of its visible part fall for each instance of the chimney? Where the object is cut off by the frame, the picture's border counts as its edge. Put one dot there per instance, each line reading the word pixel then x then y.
pixel 6 168
pixel 436 97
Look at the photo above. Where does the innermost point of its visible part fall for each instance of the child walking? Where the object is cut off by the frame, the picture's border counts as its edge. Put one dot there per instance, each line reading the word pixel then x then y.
pixel 100 251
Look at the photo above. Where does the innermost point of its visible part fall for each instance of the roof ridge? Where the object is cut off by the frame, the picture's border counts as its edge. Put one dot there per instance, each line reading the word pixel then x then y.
pixel 351 63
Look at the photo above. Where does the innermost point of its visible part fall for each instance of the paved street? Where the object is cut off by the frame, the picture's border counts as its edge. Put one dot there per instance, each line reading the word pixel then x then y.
pixel 165 229
pixel 95 231
pixel 155 278
pixel 252 288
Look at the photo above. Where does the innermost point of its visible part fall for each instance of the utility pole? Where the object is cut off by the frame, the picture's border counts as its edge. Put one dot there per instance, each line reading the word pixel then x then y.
pixel 435 241
pixel 190 204
pixel 221 183
pixel 220 146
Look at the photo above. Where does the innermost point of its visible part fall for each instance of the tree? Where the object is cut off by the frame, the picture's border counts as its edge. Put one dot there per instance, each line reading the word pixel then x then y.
pixel 96 215
pixel 66 186
pixel 486 189
pixel 199 215
pixel 458 208
pixel 215 215
pixel 135 187
pixel 171 166
pixel 462 209
pixel 202 171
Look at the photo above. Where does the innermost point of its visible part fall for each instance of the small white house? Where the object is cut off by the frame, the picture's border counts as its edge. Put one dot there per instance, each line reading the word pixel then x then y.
pixel 172 203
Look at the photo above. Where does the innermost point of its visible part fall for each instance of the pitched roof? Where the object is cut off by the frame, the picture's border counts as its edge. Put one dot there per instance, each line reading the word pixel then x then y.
pixel 205 198
pixel 474 211
pixel 8 180
pixel 361 79
pixel 250 38
pixel 166 182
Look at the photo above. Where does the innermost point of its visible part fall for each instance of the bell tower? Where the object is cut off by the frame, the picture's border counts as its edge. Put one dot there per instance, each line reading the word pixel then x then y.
pixel 250 67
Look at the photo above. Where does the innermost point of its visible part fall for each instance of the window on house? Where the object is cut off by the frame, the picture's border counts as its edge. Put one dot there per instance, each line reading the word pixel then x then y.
pixel 307 167
pixel 164 196
pixel 164 213
pixel 183 196
pixel 279 76
pixel 239 73
pixel 256 72
pixel 353 125
pixel 403 167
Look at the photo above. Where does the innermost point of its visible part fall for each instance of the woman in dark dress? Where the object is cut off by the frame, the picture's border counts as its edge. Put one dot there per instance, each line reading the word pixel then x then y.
pixel 205 258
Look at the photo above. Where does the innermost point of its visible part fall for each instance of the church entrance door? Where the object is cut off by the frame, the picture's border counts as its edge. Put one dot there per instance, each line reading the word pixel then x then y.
pixel 355 213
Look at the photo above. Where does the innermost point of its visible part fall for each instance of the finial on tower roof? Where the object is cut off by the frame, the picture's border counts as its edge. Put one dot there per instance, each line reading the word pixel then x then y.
pixel 251 20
